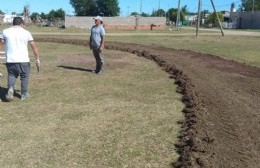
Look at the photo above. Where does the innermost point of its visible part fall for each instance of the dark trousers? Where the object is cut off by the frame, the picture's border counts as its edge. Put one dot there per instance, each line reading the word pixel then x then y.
pixel 99 59
pixel 19 69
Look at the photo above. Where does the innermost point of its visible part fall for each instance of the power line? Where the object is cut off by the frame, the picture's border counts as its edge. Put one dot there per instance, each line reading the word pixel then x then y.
pixel 223 5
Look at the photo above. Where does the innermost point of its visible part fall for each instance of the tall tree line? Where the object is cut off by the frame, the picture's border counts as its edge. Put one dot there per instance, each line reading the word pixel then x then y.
pixel 52 15
pixel 96 7
pixel 248 5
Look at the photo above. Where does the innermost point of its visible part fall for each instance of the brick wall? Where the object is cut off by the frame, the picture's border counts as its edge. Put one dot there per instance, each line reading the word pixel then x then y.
pixel 120 23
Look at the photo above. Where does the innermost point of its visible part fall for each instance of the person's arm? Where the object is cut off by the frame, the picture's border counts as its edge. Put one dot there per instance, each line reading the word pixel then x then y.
pixel 90 41
pixel 102 45
pixel 2 42
pixel 35 52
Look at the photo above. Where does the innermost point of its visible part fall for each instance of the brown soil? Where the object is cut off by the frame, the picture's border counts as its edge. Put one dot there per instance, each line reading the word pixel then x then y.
pixel 222 98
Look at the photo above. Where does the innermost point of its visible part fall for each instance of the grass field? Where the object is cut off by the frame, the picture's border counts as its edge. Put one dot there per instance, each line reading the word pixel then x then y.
pixel 126 117
pixel 240 48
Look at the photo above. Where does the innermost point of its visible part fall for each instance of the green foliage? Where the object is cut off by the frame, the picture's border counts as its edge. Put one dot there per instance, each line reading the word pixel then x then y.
pixel 134 13
pixel 34 16
pixel 95 7
pixel 248 5
pixel 212 19
pixel 58 14
pixel 184 10
pixel 108 7
pixel 205 12
pixel 52 15
pixel 84 7
pixel 145 14
pixel 43 16
pixel 158 13
pixel 1 12
pixel 173 12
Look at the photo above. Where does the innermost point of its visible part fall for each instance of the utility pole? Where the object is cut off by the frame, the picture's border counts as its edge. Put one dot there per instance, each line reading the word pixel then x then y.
pixel 141 7
pixel 159 8
pixel 212 3
pixel 253 7
pixel 198 19
pixel 252 13
pixel 178 14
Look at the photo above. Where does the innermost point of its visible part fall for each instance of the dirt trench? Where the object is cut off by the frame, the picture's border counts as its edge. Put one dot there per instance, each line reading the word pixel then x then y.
pixel 222 98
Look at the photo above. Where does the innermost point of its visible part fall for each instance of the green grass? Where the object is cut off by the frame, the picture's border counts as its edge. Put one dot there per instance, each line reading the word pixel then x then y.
pixel 124 118
pixel 240 48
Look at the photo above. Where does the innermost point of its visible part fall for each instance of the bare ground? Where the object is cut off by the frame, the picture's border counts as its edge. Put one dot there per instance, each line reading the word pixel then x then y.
pixel 222 98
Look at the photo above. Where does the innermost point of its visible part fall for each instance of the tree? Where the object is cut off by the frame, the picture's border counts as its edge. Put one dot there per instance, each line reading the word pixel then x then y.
pixel 1 12
pixel 84 7
pixel 108 7
pixel 51 15
pixel 184 10
pixel 58 14
pixel 159 13
pixel 43 16
pixel 212 19
pixel 205 13
pixel 173 12
pixel 233 5
pixel 96 7
pixel 145 14
pixel 248 5
pixel 34 16
pixel 134 13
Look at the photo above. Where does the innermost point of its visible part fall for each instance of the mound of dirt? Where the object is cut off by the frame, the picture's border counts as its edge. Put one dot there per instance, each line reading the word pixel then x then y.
pixel 222 98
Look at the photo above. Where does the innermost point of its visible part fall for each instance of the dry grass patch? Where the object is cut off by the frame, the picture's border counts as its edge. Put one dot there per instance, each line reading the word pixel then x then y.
pixel 124 118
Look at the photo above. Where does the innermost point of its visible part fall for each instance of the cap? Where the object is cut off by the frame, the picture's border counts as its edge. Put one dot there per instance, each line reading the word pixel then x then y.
pixel 98 18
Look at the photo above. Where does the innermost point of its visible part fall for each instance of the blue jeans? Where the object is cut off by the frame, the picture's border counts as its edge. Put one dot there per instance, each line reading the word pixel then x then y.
pixel 19 69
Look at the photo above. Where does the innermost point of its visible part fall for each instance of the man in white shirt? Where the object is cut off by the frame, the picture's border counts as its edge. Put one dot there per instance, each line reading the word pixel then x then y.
pixel 16 40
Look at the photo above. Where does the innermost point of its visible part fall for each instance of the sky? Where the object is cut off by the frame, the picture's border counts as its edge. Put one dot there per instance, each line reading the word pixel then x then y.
pixel 126 6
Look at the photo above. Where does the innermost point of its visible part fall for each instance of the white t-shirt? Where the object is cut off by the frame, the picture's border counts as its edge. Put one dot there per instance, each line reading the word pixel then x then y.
pixel 16 41
pixel 97 32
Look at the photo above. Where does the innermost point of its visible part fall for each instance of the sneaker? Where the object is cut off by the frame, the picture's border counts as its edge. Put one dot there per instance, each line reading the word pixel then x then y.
pixel 99 73
pixel 10 94
pixel 25 96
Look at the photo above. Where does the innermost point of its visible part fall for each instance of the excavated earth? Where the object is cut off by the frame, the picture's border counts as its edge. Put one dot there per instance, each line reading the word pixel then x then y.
pixel 222 98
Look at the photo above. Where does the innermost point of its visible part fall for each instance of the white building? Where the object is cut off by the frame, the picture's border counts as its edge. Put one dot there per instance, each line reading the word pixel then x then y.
pixel 9 18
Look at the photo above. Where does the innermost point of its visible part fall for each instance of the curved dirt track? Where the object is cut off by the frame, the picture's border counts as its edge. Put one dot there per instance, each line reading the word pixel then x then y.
pixel 222 98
